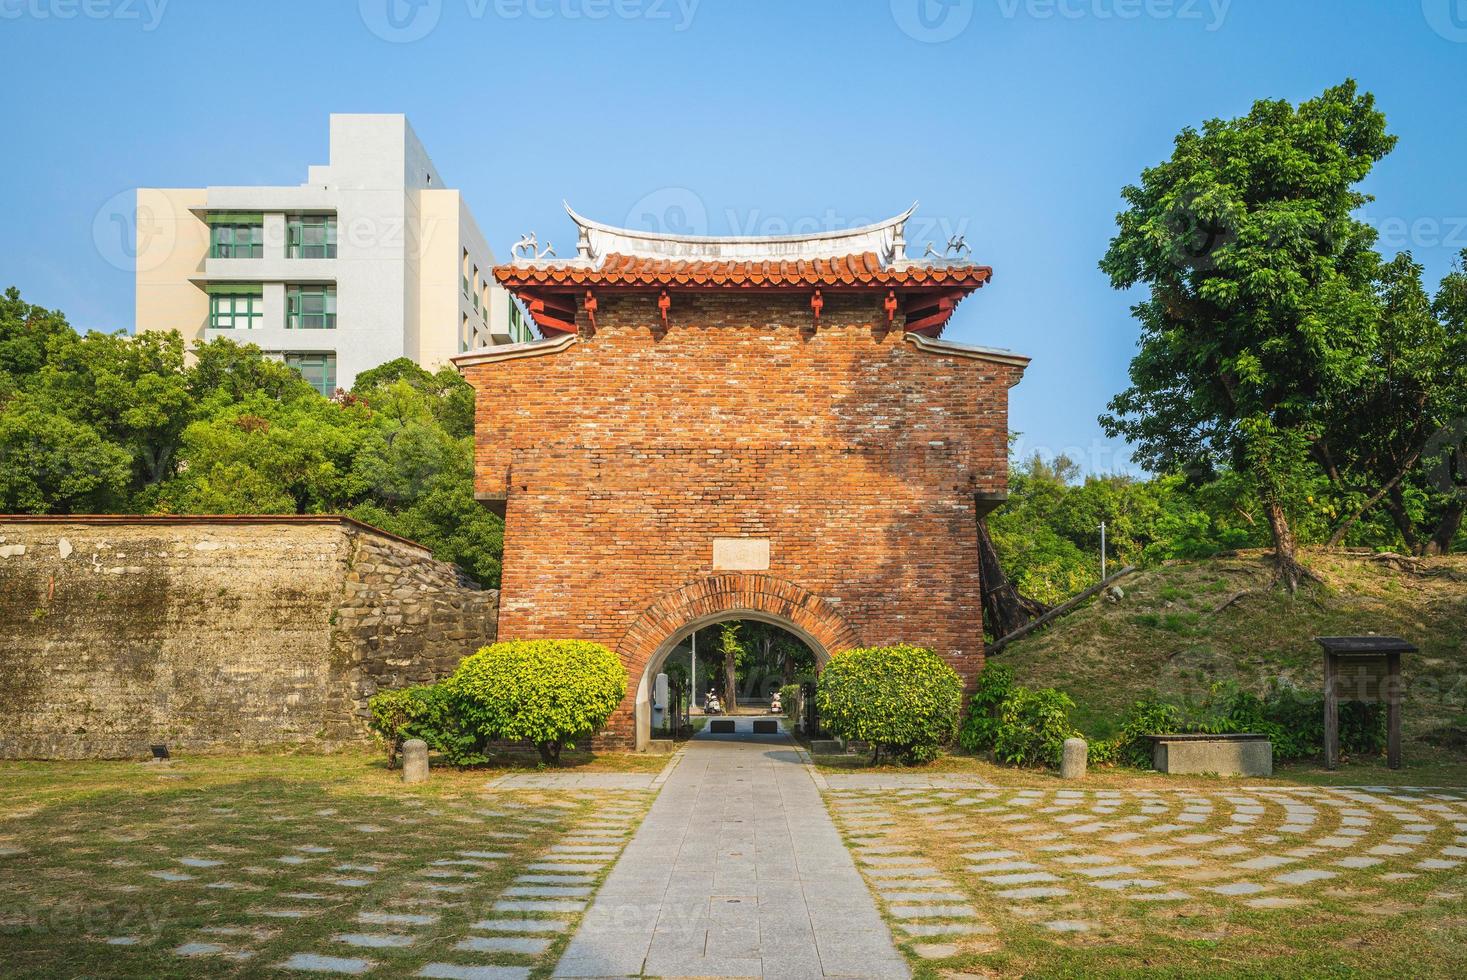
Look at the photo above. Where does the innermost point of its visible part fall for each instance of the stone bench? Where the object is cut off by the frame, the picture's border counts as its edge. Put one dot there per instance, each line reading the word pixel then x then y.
pixel 1226 755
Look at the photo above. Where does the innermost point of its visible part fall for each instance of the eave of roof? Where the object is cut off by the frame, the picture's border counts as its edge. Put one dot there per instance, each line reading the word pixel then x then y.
pixel 860 271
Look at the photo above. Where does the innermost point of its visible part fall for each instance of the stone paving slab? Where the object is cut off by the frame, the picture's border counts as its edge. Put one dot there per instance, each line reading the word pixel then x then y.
pixel 737 871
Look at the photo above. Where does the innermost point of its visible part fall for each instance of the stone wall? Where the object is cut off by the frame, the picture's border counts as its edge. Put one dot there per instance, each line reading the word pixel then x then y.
pixel 216 633
pixel 847 462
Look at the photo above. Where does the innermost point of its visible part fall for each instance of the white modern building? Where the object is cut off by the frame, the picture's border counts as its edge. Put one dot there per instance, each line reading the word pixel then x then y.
pixel 371 259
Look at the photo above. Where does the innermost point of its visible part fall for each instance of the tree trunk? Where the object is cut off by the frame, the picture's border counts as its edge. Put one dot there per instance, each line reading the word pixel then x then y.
pixel 1338 536
pixel 730 679
pixel 1446 531
pixel 1395 506
pixel 549 752
pixel 787 666
pixel 1004 609
pixel 1285 547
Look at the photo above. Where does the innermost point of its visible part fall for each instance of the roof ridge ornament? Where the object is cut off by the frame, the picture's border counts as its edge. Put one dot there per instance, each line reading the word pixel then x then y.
pixel 527 249
pixel 957 250
pixel 886 239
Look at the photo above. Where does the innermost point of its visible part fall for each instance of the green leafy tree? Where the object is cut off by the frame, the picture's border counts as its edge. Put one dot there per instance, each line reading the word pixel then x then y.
pixel 51 464
pixel 1260 304
pixel 732 650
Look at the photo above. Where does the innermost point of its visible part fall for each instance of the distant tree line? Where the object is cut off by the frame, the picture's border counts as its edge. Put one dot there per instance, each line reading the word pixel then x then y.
pixel 111 423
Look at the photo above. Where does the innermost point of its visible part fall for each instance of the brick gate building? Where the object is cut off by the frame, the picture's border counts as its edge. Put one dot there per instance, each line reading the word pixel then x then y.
pixel 741 428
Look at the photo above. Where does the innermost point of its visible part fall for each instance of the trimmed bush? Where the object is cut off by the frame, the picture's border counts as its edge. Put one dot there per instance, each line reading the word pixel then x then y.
pixel 427 712
pixel 547 692
pixel 900 698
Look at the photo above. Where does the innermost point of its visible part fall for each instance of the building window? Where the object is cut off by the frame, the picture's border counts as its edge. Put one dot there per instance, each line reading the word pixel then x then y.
pixel 310 308
pixel 236 310
pixel 310 236
pixel 464 332
pixel 236 241
pixel 519 330
pixel 319 369
pixel 463 271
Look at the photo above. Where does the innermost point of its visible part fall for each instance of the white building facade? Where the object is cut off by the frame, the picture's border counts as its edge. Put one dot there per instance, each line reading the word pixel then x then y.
pixel 371 259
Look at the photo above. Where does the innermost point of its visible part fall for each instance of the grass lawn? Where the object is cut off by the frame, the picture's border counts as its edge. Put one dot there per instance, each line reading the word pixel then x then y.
pixel 1132 874
pixel 234 865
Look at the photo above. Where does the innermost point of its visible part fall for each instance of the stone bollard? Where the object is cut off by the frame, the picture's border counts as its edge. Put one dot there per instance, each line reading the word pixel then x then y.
pixel 1072 763
pixel 415 761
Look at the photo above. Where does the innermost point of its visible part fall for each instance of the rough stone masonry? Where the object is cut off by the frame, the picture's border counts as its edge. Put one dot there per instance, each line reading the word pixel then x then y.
pixel 216 633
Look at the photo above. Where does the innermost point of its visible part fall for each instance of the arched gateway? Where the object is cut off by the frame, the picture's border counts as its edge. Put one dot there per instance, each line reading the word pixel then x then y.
pixel 756 428
pixel 673 618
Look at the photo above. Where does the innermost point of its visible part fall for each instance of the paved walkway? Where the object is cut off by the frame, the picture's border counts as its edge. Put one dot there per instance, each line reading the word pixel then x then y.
pixel 737 871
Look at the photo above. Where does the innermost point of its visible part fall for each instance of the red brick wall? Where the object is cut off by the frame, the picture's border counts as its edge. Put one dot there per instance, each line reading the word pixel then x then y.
pixel 856 454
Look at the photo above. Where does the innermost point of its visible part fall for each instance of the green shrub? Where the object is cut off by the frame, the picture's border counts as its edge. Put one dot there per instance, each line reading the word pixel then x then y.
pixel 1292 719
pixel 1132 744
pixel 1032 727
pixel 1020 726
pixel 900 698
pixel 426 712
pixel 980 725
pixel 789 702
pixel 547 692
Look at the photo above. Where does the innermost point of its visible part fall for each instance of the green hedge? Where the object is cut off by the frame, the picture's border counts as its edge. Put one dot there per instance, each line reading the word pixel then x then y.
pixel 547 692
pixel 903 699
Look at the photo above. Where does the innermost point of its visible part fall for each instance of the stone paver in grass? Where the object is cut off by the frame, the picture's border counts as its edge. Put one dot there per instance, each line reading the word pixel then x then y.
pixel 521 925
pixel 455 971
pixel 523 945
pixel 375 940
pixel 316 963
pixel 1203 849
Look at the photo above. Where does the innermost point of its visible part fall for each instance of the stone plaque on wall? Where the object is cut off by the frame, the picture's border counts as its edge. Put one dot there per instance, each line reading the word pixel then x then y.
pixel 740 554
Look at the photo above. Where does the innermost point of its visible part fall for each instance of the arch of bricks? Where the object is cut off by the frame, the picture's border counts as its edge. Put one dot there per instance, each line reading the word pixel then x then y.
pixel 732 593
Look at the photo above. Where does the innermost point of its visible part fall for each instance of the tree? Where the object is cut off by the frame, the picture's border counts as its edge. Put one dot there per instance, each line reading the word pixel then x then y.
pixel 1406 407
pixel 731 648
pixel 1260 304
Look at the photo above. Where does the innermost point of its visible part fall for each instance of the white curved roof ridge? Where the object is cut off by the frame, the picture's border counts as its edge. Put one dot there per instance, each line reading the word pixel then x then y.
pixel 885 238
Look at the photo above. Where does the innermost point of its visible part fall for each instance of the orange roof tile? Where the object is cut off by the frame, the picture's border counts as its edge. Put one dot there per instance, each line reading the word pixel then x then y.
pixel 851 271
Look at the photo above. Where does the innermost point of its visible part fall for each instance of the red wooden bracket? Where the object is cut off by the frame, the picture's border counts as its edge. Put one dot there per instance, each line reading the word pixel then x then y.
pixel 817 303
pixel 664 303
pixel 890 305
pixel 591 306
pixel 553 314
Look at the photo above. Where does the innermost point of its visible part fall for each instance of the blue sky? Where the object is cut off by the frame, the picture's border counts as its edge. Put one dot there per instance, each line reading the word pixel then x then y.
pixel 1015 122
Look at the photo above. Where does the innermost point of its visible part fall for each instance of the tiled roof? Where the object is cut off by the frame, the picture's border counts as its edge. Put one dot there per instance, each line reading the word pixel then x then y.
pixel 864 269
